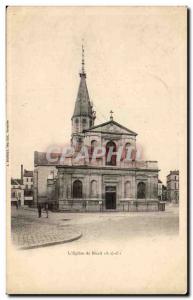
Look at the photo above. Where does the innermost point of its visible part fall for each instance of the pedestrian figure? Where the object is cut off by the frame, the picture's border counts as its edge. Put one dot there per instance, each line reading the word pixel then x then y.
pixel 39 210
pixel 84 205
pixel 46 209
pixel 17 205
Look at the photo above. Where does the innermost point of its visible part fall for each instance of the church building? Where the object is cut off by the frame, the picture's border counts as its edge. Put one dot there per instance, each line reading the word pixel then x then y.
pixel 101 171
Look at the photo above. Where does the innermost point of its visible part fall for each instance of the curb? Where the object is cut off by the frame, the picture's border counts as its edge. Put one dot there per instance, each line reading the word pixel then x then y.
pixel 51 243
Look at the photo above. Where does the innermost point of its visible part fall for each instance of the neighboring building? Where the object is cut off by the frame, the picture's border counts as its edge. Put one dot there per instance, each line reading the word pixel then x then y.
pixel 22 189
pixel 28 185
pixel 101 184
pixel 28 179
pixel 162 191
pixel 173 186
pixel 17 192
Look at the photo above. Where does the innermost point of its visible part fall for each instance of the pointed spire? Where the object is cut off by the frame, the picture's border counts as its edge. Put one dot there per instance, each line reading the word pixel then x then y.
pixel 83 105
pixel 84 115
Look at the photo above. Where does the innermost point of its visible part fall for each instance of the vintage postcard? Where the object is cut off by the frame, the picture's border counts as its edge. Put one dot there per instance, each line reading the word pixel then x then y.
pixel 96 150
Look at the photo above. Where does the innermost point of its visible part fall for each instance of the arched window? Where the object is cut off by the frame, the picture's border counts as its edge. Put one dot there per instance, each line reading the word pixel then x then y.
pixel 76 124
pixel 78 144
pixel 77 189
pixel 127 189
pixel 93 145
pixel 84 122
pixel 128 151
pixel 110 158
pixel 93 188
pixel 141 189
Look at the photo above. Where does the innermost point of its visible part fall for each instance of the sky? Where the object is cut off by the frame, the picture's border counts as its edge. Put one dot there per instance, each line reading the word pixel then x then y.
pixel 135 60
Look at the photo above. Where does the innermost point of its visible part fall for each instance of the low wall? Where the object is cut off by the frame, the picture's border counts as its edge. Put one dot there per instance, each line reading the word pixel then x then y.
pixel 99 206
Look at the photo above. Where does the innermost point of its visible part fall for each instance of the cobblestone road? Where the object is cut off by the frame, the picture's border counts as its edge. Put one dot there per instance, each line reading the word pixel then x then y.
pixel 29 231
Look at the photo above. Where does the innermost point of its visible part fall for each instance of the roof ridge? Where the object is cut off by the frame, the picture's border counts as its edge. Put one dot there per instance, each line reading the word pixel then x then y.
pixel 114 122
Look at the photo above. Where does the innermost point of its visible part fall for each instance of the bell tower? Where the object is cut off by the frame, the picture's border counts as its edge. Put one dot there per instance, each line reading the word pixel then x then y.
pixel 83 116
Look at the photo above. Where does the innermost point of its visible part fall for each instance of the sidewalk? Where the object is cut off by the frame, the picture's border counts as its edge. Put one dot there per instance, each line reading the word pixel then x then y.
pixel 29 231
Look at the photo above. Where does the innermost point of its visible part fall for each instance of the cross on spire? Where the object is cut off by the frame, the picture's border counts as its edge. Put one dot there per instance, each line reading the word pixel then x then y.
pixel 83 58
pixel 111 116
pixel 82 72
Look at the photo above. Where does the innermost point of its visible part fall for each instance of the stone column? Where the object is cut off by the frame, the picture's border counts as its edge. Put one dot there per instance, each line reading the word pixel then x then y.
pixel 119 190
pixel 86 187
pixel 61 185
pixel 155 190
pixel 64 187
pixel 122 187
pixel 148 195
pixel 134 188
pixel 69 187
pixel 99 186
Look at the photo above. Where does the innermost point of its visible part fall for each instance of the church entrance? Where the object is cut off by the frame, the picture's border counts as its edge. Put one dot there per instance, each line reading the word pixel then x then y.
pixel 110 197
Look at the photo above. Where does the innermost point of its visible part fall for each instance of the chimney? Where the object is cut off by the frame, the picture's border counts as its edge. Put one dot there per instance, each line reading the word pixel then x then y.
pixel 21 174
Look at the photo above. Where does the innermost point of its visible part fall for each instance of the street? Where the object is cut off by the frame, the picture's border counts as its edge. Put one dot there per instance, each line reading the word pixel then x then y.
pixel 121 228
pixel 113 245
pixel 117 227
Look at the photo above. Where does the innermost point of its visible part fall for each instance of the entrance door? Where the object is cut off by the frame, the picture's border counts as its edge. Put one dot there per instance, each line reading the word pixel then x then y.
pixel 110 197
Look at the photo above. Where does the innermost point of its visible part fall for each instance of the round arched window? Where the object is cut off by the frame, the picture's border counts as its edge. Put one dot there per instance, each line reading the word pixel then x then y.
pixel 141 190
pixel 93 145
pixel 110 156
pixel 84 122
pixel 77 189
pixel 128 149
pixel 127 189
pixel 93 188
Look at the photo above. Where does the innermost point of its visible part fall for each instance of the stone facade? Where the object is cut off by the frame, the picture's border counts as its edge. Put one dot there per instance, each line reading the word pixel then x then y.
pixel 107 187
pixel 17 192
pixel 103 172
pixel 173 186
pixel 28 185
pixel 41 177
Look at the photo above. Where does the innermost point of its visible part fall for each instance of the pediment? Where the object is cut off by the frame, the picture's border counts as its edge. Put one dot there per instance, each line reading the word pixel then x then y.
pixel 111 127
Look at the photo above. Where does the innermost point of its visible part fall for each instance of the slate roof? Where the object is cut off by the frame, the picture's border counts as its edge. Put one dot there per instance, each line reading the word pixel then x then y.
pixel 15 181
pixel 28 173
pixel 175 172
pixel 40 158
pixel 82 106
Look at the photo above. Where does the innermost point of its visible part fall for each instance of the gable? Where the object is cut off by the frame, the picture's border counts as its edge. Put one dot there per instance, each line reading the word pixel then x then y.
pixel 111 127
